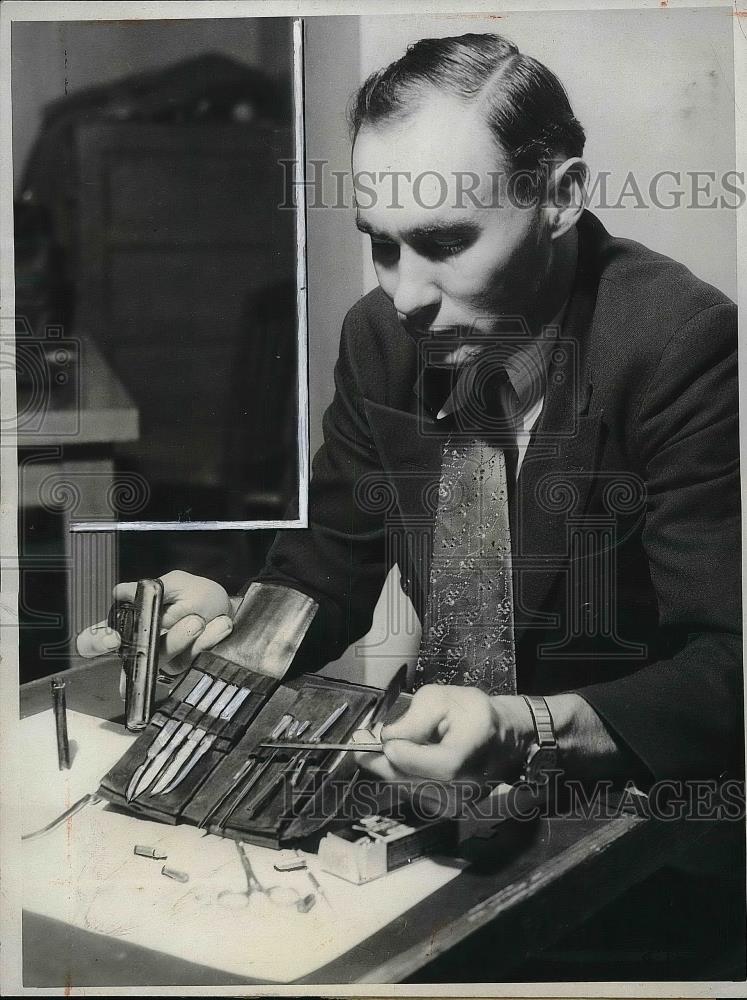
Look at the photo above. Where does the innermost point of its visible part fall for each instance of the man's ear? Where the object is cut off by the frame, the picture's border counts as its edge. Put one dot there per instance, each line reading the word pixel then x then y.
pixel 566 195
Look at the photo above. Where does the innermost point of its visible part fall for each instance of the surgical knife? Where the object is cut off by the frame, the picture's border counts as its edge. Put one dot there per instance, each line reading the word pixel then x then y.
pixel 167 731
pixel 182 755
pixel 201 687
pixel 377 715
pixel 178 737
pixel 223 710
pixel 163 788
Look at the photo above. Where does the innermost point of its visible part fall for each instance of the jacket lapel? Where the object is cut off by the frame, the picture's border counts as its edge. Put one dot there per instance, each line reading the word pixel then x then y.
pixel 559 466
pixel 409 446
pixel 553 490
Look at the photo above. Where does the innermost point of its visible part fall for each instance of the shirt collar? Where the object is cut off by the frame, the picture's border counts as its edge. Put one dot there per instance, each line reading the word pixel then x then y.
pixel 526 367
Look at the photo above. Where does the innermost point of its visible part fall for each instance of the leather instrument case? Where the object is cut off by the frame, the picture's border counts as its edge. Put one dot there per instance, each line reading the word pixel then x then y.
pixel 216 793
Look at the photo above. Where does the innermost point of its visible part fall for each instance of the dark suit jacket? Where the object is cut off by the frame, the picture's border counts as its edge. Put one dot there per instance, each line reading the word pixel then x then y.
pixel 626 529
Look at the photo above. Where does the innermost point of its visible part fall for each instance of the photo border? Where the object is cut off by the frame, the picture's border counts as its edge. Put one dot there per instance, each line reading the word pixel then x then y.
pixel 10 926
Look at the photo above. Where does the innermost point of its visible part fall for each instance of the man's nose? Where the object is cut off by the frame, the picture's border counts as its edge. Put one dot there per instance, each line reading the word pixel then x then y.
pixel 416 296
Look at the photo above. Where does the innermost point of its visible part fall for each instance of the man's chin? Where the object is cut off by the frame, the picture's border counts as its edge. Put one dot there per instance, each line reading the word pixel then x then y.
pixel 464 353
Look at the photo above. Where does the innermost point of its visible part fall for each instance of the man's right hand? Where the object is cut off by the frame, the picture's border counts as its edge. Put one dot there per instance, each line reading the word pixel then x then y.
pixel 197 614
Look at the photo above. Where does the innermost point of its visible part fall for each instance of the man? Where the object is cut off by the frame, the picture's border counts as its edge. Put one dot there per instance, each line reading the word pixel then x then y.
pixel 613 373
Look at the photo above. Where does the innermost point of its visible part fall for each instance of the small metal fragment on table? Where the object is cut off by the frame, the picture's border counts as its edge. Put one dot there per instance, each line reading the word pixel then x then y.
pixel 294 864
pixel 146 851
pixel 374 834
pixel 175 874
pixel 60 718
pixel 306 903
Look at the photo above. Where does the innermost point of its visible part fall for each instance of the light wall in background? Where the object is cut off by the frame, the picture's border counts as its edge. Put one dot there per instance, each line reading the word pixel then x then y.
pixel 335 280
pixel 335 259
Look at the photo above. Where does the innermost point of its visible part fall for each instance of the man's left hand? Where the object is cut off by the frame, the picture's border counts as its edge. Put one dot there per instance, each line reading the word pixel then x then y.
pixel 453 733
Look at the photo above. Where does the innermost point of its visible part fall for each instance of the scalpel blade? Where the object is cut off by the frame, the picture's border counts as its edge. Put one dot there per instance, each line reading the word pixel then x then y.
pixel 91 799
pixel 160 741
pixel 181 756
pixel 161 759
pixel 199 753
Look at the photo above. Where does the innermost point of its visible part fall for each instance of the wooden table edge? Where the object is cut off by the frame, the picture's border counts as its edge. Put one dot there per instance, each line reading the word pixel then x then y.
pixel 592 850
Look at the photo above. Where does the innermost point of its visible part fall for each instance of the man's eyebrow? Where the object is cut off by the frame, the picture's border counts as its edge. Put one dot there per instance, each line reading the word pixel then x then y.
pixel 443 229
pixel 453 230
pixel 365 227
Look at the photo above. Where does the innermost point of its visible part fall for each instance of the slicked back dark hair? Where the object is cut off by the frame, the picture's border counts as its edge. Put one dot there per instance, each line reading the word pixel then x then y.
pixel 523 102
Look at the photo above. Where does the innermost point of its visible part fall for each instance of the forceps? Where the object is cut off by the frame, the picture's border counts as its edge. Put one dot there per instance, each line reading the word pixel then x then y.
pixel 280 895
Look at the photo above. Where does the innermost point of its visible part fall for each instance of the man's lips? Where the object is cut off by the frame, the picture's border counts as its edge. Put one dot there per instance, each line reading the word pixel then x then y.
pixel 454 331
pixel 449 344
pixel 412 329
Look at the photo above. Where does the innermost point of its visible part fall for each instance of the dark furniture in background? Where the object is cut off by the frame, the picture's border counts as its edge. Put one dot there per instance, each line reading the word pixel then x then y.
pixel 185 278
pixel 150 232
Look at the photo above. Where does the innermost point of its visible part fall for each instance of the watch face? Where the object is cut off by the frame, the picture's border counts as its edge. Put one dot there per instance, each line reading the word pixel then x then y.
pixel 539 762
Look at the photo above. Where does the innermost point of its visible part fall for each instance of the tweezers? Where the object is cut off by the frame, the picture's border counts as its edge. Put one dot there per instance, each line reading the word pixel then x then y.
pixel 305 745
pixel 391 694
pixel 377 715
pixel 393 691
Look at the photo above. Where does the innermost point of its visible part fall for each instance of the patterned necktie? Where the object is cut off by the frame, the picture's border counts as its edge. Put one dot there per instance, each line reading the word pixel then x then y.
pixel 468 627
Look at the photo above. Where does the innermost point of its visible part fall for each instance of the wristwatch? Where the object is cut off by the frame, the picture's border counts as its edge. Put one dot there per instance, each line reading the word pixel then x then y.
pixel 543 753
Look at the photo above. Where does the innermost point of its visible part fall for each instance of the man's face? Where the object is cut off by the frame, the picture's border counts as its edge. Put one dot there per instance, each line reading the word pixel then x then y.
pixel 448 258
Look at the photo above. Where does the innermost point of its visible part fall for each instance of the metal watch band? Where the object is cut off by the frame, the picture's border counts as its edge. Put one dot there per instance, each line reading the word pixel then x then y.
pixel 543 726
